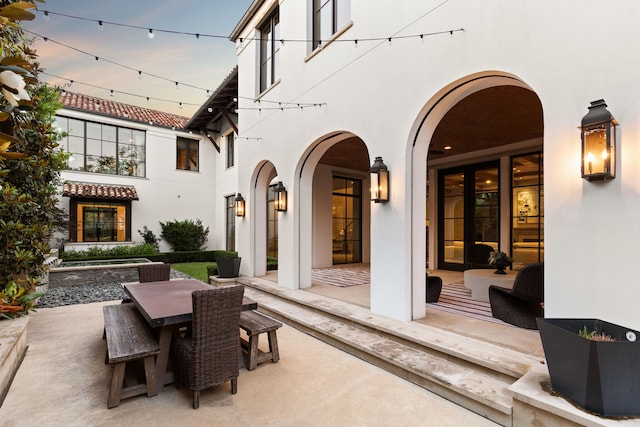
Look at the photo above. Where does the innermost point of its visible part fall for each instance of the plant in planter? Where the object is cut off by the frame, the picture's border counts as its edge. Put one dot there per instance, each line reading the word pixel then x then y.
pixel 500 260
pixel 593 363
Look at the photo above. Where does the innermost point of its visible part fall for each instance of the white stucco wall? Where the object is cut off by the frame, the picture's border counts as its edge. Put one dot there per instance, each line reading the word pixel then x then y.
pixel 568 53
pixel 165 194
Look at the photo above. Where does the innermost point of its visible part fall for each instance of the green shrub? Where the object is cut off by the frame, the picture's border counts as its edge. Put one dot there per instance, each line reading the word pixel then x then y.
pixel 184 235
pixel 96 252
pixel 149 237
pixel 212 270
pixel 272 263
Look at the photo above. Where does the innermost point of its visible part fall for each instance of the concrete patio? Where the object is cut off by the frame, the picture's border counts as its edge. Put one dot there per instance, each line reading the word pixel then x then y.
pixel 63 381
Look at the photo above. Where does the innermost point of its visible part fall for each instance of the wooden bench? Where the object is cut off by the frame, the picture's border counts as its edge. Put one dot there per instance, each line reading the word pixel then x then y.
pixel 254 324
pixel 129 339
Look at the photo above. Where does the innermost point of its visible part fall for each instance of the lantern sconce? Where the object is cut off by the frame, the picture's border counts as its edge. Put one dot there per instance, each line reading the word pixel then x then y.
pixel 239 205
pixel 598 134
pixel 379 181
pixel 281 197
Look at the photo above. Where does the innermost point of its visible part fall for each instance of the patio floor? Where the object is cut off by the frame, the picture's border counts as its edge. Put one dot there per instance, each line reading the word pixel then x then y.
pixel 508 336
pixel 63 381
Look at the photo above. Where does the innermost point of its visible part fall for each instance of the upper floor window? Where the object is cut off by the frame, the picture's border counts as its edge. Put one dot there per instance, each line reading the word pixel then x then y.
pixel 269 51
pixel 187 154
pixel 231 150
pixel 329 17
pixel 101 148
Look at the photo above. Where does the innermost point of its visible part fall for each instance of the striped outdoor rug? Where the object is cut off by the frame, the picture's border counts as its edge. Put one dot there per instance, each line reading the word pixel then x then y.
pixel 456 298
pixel 342 277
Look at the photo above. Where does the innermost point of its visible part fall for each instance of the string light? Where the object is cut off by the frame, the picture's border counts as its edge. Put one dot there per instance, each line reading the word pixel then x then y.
pixel 180 103
pixel 151 32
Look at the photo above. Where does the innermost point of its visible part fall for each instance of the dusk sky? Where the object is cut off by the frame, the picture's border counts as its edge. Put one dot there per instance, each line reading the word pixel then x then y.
pixel 203 62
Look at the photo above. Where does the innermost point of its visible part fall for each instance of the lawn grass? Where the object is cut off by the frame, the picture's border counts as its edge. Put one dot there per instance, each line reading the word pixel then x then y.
pixel 197 270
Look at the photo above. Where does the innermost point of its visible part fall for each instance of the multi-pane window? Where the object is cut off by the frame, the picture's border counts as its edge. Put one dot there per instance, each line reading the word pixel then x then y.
pixel 270 51
pixel 527 226
pixel 346 210
pixel 231 150
pixel 230 203
pixel 187 157
pixel 101 148
pixel 94 221
pixel 329 17
pixel 272 223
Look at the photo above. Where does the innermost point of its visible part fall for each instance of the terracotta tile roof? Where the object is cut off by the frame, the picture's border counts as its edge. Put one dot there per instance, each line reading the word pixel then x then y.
pixel 90 190
pixel 104 107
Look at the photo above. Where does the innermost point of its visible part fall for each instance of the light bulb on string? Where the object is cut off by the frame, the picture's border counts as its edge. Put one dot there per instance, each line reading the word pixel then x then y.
pixel 100 27
pixel 46 16
pixel 140 75
pixel 150 33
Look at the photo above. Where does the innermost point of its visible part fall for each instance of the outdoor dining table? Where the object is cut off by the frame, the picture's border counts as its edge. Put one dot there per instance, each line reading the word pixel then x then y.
pixel 166 305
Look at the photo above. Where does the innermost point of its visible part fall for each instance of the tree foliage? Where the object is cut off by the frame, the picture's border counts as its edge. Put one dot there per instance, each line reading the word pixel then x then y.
pixel 184 235
pixel 30 163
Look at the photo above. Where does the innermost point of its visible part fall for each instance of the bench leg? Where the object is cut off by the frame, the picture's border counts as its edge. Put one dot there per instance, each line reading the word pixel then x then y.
pixel 150 376
pixel 273 346
pixel 117 379
pixel 253 352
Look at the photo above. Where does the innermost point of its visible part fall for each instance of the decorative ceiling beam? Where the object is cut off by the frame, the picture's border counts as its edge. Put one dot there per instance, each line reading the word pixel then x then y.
pixel 206 134
pixel 231 122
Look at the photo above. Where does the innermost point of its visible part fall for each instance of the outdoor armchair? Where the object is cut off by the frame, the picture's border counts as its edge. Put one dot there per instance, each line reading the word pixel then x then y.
pixel 520 305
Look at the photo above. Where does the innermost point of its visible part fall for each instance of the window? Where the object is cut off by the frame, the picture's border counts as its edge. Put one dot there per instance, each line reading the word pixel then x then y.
pixel 230 203
pixel 527 225
pixel 92 221
pixel 272 223
pixel 187 154
pixel 329 17
pixel 100 148
pixel 231 150
pixel 346 210
pixel 269 51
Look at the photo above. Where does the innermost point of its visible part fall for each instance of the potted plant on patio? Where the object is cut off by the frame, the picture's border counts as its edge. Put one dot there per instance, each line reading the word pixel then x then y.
pixel 593 363
pixel 500 260
pixel 228 266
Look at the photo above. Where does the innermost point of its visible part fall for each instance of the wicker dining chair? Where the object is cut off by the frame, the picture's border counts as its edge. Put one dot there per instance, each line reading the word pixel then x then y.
pixel 154 272
pixel 211 354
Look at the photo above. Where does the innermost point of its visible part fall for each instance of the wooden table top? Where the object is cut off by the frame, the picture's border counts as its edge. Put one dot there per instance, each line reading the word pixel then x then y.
pixel 169 302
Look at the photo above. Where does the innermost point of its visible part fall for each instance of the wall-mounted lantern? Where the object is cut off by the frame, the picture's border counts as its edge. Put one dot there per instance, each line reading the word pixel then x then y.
pixel 281 197
pixel 379 181
pixel 598 143
pixel 239 205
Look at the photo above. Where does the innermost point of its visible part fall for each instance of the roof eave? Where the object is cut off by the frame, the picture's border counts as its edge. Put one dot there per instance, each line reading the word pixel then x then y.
pixel 246 18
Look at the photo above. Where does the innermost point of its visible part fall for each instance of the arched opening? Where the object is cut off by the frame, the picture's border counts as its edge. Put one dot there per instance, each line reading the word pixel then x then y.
pixel 264 220
pixel 333 204
pixel 479 143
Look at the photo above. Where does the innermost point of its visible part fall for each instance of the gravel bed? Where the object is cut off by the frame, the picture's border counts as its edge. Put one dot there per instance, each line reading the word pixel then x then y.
pixel 84 294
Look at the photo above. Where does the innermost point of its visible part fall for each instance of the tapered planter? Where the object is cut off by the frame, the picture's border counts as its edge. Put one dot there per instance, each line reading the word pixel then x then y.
pixel 600 376
pixel 228 267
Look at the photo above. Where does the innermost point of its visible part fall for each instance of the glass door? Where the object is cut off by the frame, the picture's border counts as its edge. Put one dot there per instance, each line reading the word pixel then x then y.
pixel 468 211
pixel 347 220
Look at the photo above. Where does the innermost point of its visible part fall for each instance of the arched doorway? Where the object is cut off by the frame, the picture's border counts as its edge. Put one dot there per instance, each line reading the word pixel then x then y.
pixel 332 204
pixel 467 142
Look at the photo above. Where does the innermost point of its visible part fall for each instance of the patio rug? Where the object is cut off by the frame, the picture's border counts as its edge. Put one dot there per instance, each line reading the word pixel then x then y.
pixel 342 277
pixel 456 298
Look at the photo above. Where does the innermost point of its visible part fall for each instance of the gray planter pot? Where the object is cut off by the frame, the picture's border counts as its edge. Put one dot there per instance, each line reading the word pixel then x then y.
pixel 599 376
pixel 228 267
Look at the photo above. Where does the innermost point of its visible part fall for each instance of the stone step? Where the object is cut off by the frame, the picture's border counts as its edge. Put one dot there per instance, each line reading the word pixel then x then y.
pixel 472 373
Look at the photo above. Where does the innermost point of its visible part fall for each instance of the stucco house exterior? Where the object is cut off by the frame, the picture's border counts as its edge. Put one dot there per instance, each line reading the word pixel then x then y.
pixel 475 108
pixel 132 167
